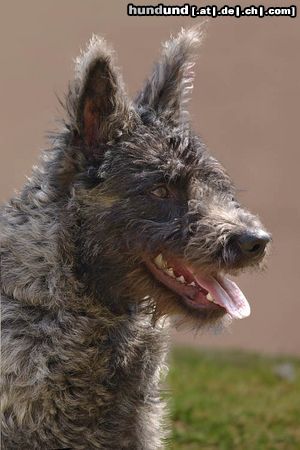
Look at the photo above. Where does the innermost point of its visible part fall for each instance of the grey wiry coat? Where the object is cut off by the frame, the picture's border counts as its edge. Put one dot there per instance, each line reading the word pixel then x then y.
pixel 84 307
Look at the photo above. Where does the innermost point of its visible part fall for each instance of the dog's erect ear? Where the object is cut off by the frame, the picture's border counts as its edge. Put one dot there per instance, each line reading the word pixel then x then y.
pixel 97 104
pixel 168 88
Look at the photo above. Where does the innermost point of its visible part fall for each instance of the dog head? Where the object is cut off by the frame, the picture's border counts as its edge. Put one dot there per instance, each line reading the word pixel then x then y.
pixel 160 221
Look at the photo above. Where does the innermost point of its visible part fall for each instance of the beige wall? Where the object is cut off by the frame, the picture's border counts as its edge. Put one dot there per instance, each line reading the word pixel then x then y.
pixel 245 105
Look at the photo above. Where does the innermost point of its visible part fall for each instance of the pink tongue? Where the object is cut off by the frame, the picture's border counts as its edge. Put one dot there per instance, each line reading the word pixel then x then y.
pixel 227 294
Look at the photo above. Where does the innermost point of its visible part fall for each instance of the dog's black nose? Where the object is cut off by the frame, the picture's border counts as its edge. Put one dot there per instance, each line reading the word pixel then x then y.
pixel 252 244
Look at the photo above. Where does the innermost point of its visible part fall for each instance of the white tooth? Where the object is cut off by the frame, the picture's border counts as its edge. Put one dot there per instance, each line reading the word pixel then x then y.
pixel 171 272
pixel 181 279
pixel 164 263
pixel 192 283
pixel 159 261
pixel 209 297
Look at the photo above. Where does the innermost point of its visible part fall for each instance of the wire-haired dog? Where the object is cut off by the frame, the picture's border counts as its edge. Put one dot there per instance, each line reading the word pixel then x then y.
pixel 128 220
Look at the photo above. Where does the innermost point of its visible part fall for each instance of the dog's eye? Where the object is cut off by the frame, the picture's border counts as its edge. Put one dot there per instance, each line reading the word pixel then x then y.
pixel 161 192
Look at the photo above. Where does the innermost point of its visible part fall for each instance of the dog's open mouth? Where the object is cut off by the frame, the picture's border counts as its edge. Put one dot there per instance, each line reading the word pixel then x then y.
pixel 202 292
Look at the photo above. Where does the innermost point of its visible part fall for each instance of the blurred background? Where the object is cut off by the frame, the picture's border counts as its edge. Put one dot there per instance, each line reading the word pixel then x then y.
pixel 245 105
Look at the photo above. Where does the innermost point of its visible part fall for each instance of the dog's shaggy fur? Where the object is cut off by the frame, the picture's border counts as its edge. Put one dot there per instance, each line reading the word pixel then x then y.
pixel 84 318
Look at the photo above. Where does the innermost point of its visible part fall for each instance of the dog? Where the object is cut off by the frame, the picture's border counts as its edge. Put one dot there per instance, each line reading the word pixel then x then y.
pixel 127 222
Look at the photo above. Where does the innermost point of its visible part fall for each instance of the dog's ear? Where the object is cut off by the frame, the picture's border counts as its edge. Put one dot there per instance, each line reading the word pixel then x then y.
pixel 98 107
pixel 168 88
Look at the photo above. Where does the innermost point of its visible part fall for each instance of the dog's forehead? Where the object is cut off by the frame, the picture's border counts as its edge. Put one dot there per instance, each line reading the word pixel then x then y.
pixel 173 155
pixel 168 150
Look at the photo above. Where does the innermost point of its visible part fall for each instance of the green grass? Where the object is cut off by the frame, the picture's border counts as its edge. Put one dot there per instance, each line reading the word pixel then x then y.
pixel 232 401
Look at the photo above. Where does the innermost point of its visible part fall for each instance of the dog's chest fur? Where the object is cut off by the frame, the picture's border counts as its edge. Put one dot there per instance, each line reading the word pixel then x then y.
pixel 87 384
